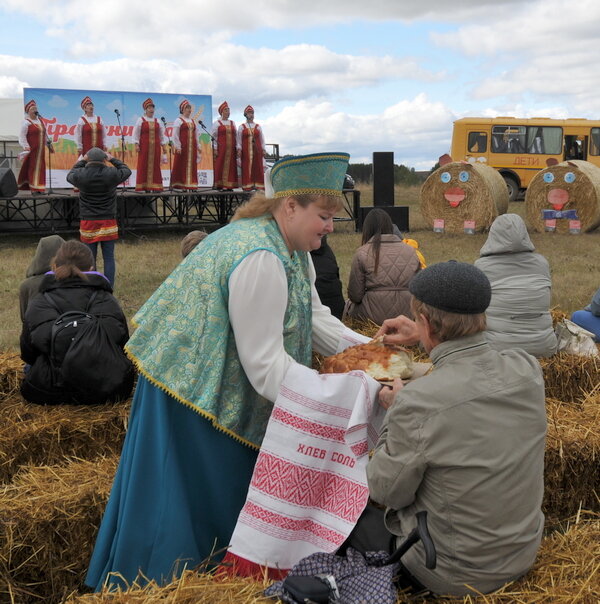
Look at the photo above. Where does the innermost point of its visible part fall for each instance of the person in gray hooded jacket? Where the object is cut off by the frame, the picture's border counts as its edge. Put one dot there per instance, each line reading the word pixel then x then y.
pixel 40 265
pixel 519 313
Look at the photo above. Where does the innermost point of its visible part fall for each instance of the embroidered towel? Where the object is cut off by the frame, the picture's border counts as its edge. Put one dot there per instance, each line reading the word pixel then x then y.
pixel 309 484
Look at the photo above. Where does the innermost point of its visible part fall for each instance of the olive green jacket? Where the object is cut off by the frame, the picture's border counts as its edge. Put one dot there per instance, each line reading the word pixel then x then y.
pixel 466 444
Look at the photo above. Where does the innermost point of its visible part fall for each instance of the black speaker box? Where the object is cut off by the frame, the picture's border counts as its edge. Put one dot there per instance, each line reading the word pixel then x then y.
pixel 8 183
pixel 398 214
pixel 383 178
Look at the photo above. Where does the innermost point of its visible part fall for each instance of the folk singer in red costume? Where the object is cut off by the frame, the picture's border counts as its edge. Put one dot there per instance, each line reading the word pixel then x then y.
pixel 251 151
pixel 32 137
pixel 185 140
pixel 149 139
pixel 225 150
pixel 89 132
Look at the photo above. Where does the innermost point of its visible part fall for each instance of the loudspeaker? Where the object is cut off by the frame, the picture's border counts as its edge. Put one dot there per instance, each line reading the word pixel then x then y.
pixel 8 183
pixel 383 178
pixel 398 214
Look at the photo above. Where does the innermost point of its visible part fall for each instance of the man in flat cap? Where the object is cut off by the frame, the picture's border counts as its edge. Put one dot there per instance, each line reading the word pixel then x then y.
pixel 464 443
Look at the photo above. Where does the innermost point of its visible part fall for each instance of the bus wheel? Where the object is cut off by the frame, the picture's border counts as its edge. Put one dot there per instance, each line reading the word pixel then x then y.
pixel 513 188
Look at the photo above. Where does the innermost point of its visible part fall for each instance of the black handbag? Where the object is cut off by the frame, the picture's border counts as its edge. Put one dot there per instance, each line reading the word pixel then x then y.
pixel 320 589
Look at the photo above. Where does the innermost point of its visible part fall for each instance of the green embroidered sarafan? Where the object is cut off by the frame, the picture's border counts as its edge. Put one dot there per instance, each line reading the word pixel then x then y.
pixel 184 343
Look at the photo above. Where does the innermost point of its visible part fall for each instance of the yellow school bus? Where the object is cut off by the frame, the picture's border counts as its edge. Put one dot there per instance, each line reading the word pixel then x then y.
pixel 518 148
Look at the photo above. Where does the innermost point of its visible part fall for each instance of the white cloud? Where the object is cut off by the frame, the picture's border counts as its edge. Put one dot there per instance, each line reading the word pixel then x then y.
pixel 58 101
pixel 138 28
pixel 262 75
pixel 547 49
pixel 10 86
pixel 416 130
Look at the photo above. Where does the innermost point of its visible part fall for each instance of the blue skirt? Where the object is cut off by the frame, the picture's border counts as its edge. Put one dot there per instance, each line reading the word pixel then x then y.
pixel 177 493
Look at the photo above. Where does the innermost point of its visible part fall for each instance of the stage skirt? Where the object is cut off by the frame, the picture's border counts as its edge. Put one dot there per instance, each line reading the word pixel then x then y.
pixel 176 496
pixel 92 231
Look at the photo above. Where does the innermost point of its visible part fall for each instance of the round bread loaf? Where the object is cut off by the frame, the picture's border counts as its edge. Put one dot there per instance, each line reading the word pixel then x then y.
pixel 381 362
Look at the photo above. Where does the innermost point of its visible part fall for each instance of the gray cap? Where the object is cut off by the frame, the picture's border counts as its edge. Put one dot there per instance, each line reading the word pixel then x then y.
pixel 452 286
pixel 95 154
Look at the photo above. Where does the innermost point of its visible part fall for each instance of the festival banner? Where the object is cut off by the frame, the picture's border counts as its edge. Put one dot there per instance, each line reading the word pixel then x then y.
pixel 60 109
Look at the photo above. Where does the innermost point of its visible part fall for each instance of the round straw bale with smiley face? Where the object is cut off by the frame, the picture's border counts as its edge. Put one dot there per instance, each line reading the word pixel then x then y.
pixel 564 192
pixel 460 191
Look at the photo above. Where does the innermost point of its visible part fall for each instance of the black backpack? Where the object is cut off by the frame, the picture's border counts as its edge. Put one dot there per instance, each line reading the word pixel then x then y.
pixel 83 358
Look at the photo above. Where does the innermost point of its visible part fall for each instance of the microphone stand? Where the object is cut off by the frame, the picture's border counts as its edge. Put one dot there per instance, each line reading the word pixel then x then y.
pixel 164 121
pixel 212 140
pixel 122 144
pixel 251 158
pixel 122 135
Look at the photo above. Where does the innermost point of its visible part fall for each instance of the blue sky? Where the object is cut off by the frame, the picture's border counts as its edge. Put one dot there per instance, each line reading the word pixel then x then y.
pixel 384 75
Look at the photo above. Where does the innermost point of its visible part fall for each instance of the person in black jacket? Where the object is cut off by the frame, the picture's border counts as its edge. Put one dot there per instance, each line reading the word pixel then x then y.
pixel 70 287
pixel 97 183
pixel 328 284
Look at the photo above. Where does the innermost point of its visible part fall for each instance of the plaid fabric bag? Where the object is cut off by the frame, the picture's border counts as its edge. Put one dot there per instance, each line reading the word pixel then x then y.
pixel 358 578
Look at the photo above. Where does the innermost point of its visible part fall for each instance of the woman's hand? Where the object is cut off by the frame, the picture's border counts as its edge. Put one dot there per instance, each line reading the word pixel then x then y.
pixel 400 331
pixel 387 395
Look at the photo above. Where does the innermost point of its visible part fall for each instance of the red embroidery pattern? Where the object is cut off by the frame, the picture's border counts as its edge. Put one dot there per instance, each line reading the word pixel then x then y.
pixel 360 449
pixel 286 528
pixel 304 401
pixel 305 425
pixel 308 487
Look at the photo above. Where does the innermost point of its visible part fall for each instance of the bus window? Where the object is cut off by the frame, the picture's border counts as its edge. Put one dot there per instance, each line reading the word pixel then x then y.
pixel 508 139
pixel 573 147
pixel 477 142
pixel 546 140
pixel 595 142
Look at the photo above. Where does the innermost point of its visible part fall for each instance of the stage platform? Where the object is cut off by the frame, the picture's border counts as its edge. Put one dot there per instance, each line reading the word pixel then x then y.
pixel 58 211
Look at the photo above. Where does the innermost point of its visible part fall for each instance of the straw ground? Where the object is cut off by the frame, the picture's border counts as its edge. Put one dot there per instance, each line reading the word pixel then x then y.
pixel 566 572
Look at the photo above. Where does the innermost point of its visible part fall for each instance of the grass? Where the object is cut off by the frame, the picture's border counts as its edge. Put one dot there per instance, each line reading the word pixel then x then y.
pixel 145 259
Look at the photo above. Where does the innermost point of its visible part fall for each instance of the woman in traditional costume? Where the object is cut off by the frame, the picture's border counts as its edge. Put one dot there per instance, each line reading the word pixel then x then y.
pixel 150 141
pixel 212 346
pixel 32 137
pixel 251 152
pixel 225 150
pixel 185 141
pixel 89 132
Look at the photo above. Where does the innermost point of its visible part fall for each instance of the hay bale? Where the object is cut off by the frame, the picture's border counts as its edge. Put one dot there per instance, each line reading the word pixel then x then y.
pixel 565 571
pixel 572 468
pixel 48 435
pixel 478 189
pixel 570 377
pixel 50 517
pixel 11 371
pixel 581 195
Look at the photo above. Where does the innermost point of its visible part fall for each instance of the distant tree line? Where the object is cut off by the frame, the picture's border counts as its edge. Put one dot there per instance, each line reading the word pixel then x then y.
pixel 402 174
